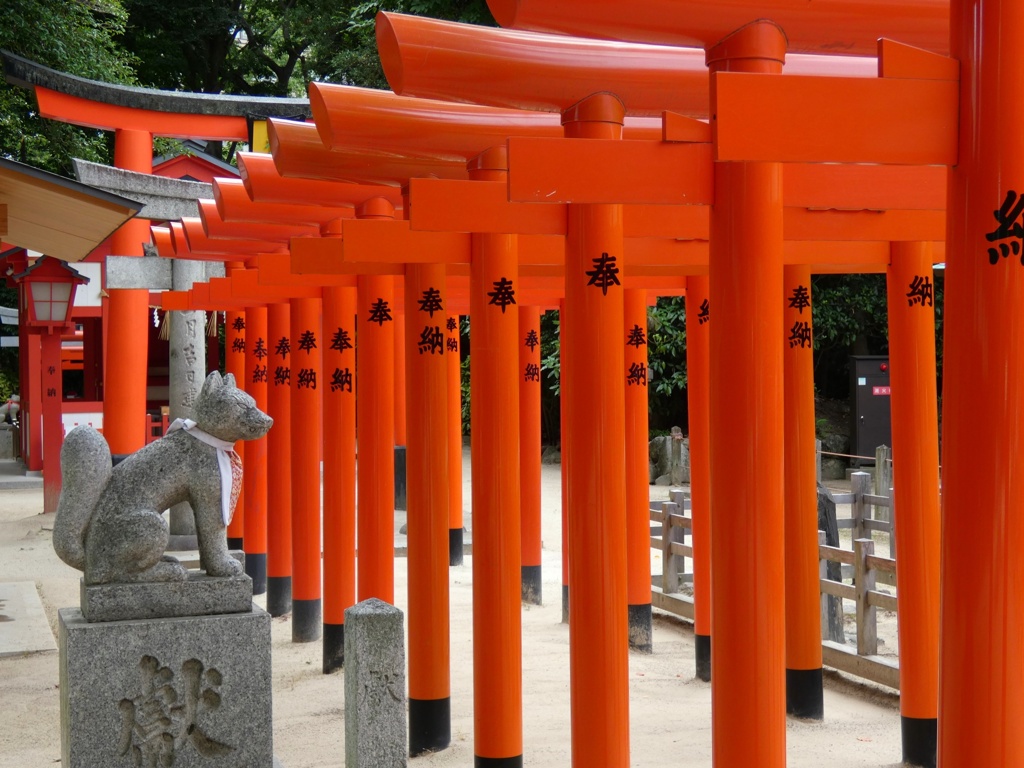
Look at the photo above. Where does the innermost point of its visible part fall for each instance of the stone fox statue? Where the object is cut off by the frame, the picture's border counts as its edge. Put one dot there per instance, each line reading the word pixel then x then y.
pixel 109 522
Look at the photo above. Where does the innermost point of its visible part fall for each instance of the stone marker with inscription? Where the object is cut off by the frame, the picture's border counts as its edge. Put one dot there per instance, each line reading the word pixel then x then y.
pixel 162 666
pixel 187 691
pixel 375 719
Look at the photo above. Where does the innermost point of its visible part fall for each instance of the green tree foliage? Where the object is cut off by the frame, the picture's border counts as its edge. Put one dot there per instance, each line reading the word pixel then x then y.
pixel 73 36
pixel 666 363
pixel 666 339
pixel 254 47
pixel 550 382
pixel 348 51
pixel 849 319
pixel 268 47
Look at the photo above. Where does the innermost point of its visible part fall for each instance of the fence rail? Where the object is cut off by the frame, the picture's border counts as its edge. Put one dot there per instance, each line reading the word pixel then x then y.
pixel 671 529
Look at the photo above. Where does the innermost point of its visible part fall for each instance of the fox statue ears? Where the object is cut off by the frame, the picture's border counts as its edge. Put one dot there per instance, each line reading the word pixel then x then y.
pixel 215 381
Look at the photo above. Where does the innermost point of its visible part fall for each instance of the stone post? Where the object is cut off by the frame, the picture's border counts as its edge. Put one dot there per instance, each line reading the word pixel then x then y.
pixel 375 719
pixel 186 375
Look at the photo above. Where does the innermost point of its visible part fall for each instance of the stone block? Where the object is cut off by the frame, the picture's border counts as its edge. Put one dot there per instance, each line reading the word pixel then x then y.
pixel 200 595
pixel 833 469
pixel 190 692
pixel 669 459
pixel 375 705
pixel 149 272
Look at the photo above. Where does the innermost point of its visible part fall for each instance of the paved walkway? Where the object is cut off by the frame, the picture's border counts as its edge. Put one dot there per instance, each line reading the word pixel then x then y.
pixel 23 625
pixel 13 477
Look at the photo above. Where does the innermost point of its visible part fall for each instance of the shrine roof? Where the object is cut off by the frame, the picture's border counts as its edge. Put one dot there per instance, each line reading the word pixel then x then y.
pixel 54 215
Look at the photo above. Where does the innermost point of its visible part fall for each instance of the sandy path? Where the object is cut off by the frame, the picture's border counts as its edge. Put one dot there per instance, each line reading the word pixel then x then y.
pixel 670 710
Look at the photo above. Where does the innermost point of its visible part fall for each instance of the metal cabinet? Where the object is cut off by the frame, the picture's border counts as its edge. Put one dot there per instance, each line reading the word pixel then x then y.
pixel 871 417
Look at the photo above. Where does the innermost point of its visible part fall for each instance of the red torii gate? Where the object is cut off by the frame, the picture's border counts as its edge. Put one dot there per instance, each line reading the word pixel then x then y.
pixel 347 239
pixel 978 35
pixel 341 170
pixel 543 175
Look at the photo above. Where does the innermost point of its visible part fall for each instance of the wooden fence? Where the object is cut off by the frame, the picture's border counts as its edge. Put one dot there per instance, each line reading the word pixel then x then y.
pixel 668 536
pixel 870 513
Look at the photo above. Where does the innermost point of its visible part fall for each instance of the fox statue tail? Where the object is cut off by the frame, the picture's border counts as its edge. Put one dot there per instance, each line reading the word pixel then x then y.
pixel 85 465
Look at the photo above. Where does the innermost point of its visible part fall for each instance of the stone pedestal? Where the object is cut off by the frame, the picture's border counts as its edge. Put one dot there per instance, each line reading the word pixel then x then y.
pixel 192 692
pixel 201 595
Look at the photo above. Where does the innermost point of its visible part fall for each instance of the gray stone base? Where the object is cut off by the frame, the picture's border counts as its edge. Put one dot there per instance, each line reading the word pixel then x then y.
pixel 190 692
pixel 182 542
pixel 201 595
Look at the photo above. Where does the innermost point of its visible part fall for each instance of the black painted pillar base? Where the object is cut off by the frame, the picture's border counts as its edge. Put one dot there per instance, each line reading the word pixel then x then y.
pixel 641 632
pixel 279 595
pixel 702 651
pixel 498 762
pixel 805 695
pixel 401 489
pixel 430 725
pixel 920 736
pixel 334 647
pixel 306 620
pixel 455 546
pixel 234 543
pixel 256 569
pixel 565 603
pixel 532 585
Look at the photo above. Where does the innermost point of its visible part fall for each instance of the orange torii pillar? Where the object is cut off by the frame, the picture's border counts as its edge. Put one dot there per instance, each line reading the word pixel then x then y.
pixel 427 472
pixel 529 452
pixel 234 364
pixel 454 362
pixel 494 395
pixel 51 384
pixel 375 417
pixel 565 415
pixel 915 449
pixel 638 495
pixel 698 394
pixel 255 476
pixel 804 692
pixel 307 381
pixel 401 483
pixel 747 544
pixel 981 662
pixel 126 330
pixel 279 462
pixel 339 512
pixel 598 640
